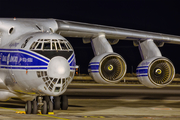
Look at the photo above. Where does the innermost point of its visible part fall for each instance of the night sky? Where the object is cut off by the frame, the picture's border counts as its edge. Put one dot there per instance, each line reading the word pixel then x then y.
pixel 149 15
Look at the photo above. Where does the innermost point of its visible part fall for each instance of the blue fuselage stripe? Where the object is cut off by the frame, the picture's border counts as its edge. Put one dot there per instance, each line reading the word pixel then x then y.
pixel 24 59
pixel 71 58
pixel 24 67
pixel 72 62
pixel 21 59
pixel 34 55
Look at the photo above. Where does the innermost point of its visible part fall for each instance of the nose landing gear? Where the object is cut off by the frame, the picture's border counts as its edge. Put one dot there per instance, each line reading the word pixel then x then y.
pixel 45 104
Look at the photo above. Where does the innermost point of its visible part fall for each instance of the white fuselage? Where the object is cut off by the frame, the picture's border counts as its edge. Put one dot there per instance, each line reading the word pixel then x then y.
pixel 37 62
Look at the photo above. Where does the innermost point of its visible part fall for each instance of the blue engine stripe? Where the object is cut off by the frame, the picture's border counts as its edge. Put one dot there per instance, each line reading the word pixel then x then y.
pixel 94 67
pixel 143 67
pixel 142 75
pixel 141 71
pixel 94 72
pixel 93 63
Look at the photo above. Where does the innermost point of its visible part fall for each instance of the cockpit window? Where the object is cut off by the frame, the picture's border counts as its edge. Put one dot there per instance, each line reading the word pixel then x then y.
pixel 32 46
pixel 39 46
pixel 68 46
pixel 47 46
pixel 58 47
pixel 63 46
pixel 51 44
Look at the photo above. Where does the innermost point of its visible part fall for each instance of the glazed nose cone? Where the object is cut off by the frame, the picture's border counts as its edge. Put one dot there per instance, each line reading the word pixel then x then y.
pixel 58 67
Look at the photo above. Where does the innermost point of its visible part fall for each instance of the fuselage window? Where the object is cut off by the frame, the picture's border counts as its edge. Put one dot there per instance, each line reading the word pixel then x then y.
pixel 39 46
pixel 47 46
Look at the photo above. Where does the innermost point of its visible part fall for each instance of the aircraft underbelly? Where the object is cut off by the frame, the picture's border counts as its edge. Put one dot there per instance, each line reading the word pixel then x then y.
pixel 3 86
pixel 25 81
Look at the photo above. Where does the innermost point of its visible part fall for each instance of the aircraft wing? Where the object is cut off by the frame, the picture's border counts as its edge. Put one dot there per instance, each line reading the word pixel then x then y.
pixel 84 30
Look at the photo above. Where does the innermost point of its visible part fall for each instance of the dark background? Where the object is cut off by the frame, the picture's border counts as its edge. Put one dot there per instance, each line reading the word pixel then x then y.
pixel 148 15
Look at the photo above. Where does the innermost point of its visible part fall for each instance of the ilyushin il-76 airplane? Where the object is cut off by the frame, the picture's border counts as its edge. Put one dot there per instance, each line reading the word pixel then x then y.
pixel 37 62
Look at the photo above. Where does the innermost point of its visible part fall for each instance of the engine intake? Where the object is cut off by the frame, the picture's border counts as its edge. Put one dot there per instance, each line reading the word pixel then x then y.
pixel 155 72
pixel 107 68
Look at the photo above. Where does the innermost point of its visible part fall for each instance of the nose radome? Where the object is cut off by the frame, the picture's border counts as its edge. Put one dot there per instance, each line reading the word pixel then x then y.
pixel 58 67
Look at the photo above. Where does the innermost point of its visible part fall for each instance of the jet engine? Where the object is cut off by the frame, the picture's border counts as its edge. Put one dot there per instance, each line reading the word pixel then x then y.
pixel 156 72
pixel 107 68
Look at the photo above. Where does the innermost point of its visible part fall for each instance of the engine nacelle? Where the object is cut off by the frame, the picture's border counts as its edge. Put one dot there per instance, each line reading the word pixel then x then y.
pixel 156 72
pixel 107 68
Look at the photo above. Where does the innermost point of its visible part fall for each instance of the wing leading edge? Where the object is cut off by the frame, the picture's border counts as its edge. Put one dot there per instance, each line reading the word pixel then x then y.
pixel 84 30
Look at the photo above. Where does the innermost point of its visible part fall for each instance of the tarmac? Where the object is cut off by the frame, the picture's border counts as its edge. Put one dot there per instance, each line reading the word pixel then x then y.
pixel 107 102
pixel 106 109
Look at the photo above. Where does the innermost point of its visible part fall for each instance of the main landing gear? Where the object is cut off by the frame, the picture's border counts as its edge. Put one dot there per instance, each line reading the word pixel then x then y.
pixel 61 102
pixel 45 104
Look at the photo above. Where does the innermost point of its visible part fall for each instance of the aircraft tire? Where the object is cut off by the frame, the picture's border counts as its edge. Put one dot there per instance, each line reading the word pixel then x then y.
pixel 28 107
pixel 50 106
pixel 46 98
pixel 44 107
pixel 64 102
pixel 57 103
pixel 34 107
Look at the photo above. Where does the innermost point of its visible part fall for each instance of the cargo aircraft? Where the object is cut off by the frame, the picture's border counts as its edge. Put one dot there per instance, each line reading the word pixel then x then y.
pixel 37 62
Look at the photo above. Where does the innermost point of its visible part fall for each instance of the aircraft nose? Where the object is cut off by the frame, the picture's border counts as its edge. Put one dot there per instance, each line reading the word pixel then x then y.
pixel 58 67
